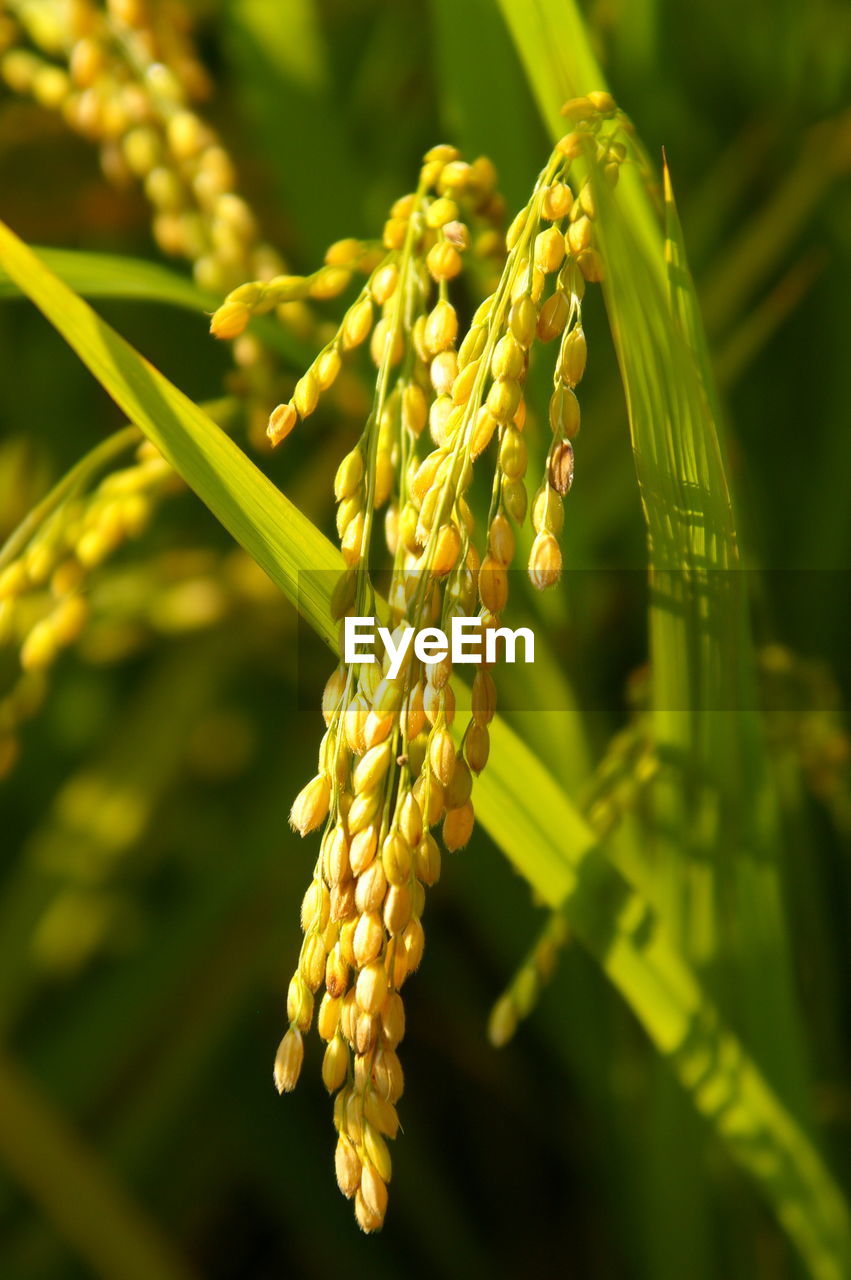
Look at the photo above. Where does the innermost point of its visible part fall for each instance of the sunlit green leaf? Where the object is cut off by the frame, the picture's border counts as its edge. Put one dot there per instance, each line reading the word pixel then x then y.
pixel 713 871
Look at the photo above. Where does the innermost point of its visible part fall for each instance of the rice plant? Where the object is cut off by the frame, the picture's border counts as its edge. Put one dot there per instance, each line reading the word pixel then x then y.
pixel 366 271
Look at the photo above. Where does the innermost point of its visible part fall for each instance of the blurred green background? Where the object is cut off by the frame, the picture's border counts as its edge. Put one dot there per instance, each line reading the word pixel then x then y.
pixel 150 884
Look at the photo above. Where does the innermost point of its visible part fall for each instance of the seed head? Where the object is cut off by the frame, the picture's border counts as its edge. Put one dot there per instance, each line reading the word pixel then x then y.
pixel 501 540
pixel 523 319
pixel 574 353
pixel 427 860
pixel 371 887
pixel 398 907
pixel 312 961
pixel 485 425
pixel 336 974
pixel 516 229
pixel 579 235
pixel 429 796
pixel 335 1064
pixel 389 753
pixel 578 109
pixel 362 849
pixel 545 561
pixel 357 324
pixel 327 367
pixel 315 907
pixel 14 580
pixel 477 747
pixel 363 810
pixel 472 345
pixel 374 1192
pixel 414 408
pixel 556 202
pixel 376 728
pixel 281 422
pixel 367 1219
pixel 591 265
pixel 457 234
pixel 547 511
pixel 564 413
pixel 328 1017
pixel 306 394
pixel 509 360
pixel 437 703
pixel 459 789
pixel 513 454
pixel 387 343
pixel 553 316
pixel 342 906
pixel 368 939
pixel 587 202
pixel 371 988
pixel 387 1069
pixel 288 1061
pixel 493 584
pixel 347 1166
pixel 230 320
pixel 455 177
pixel 387 695
pixel 483 697
pixel 443 260
pixel 310 807
pixel 329 282
pixel 549 249
pixel 440 212
pixel 441 327
pixel 425 474
pixel 603 103
pixel 397 858
pixel 384 283
pixel 344 253
pixel 503 399
pixel 395 230
pixel 441 756
pixel 458 827
pixel 371 768
pixel 40 647
pixel 349 475
pixel 560 467
pixel 446 551
pixel 444 368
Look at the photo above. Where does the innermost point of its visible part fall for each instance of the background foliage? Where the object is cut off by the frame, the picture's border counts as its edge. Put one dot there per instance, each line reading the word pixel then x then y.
pixel 150 885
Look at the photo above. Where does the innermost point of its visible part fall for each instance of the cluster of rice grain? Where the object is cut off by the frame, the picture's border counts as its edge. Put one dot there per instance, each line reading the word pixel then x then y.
pixel 391 766
pixel 43 597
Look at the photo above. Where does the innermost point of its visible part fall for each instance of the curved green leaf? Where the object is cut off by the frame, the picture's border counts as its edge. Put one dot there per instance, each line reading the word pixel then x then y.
pixel 107 275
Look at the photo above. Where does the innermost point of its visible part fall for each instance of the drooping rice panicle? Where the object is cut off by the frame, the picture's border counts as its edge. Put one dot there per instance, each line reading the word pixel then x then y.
pixel 393 765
